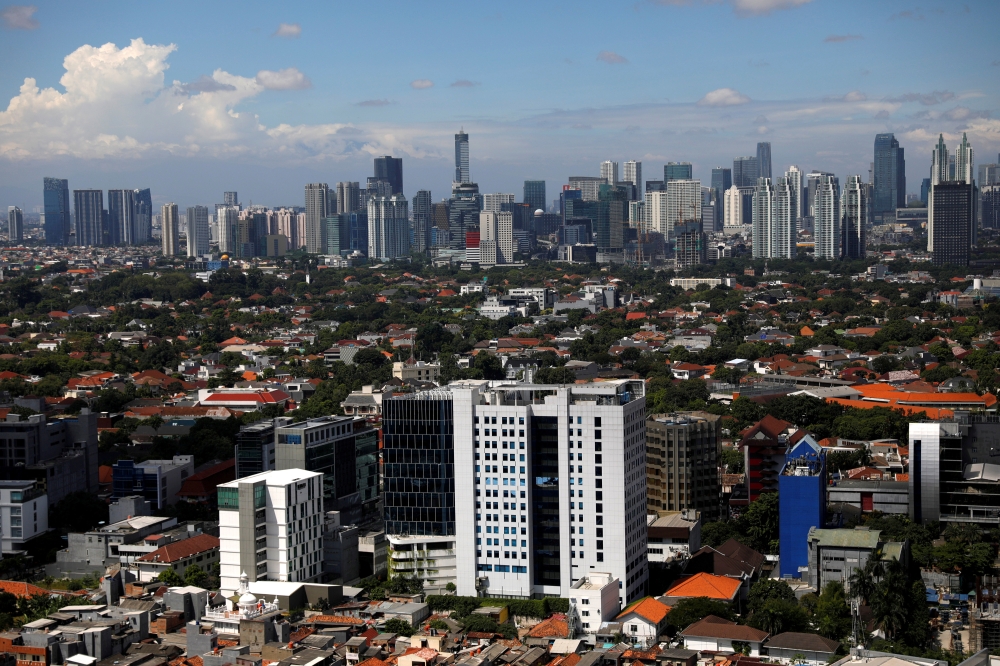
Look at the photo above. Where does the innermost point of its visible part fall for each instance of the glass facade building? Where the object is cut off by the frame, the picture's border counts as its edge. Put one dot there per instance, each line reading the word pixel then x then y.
pixel 57 217
pixel 390 169
pixel 889 176
pixel 534 194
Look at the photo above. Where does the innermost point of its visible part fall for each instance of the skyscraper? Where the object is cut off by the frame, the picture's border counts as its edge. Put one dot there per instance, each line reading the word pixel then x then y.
pixel 317 200
pixel 88 206
pixel 683 203
pixel 633 174
pixel 170 230
pixel 656 213
pixel 422 221
pixel 939 162
pixel 57 216
pixel 348 196
pixel 390 169
pixel 463 212
pixel 496 238
pixel 609 172
pixel 722 180
pixel 964 162
pixel 953 205
pixel 228 224
pixel 745 172
pixel 121 217
pixel 462 158
pixel 677 171
pixel 764 159
pixel 142 216
pixel 785 229
pixel 230 199
pixel 732 217
pixel 388 228
pixel 826 211
pixel 15 224
pixel 534 194
pixel 890 176
pixel 794 176
pixel 497 202
pixel 854 209
pixel 197 231
pixel 763 219
pixel 990 202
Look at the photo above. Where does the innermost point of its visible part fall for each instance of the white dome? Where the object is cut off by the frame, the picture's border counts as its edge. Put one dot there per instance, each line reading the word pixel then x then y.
pixel 248 599
pixel 539 212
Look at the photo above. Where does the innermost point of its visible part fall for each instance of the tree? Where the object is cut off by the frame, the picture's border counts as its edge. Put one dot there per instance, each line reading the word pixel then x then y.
pixel 718 533
pixel 761 520
pixel 688 611
pixel 733 460
pixel 170 577
pixel 399 626
pixel 833 615
pixel 194 575
pixel 481 623
pixel 489 364
pixel 779 615
pixel 555 375
pixel 767 589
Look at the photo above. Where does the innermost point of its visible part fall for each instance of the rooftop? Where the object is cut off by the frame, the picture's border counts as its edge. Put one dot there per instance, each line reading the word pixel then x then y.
pixel 279 477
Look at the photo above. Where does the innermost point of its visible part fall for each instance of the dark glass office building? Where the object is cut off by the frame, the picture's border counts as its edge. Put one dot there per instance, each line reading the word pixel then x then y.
pixel 677 171
pixel 745 172
pixel 764 159
pixel 390 169
pixel 722 180
pixel 57 217
pixel 534 194
pixel 88 206
pixel 954 215
pixel 463 212
pixel 991 206
pixel 889 176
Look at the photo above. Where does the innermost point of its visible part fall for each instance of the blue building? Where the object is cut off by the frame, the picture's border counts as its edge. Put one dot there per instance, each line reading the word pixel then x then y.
pixel 801 503
pixel 155 480
pixel 57 215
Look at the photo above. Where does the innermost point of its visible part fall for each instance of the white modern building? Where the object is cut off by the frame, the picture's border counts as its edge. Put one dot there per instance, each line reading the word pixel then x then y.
pixel 732 216
pixel 531 487
pixel 656 213
pixel 609 172
pixel 786 201
pixel 763 219
pixel 388 228
pixel 197 231
pixel 826 213
pixel 227 220
pixel 683 204
pixel 24 514
pixel 632 173
pixel 170 228
pixel 498 202
pixel 271 528
pixel 794 176
pixel 317 209
pixel 496 238
pixel 595 598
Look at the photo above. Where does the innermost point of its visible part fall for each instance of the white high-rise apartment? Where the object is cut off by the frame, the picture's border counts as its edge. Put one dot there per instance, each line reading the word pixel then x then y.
pixel 632 173
pixel 170 229
pixel 964 162
pixel 763 219
pixel 197 231
pixel 683 203
pixel 826 211
pixel 656 213
pixel 732 219
pixel 15 224
pixel 548 485
pixel 228 225
pixel 609 172
pixel 794 176
pixel 317 209
pixel 388 228
pixel 785 228
pixel 271 528
pixel 348 196
pixel 637 216
pixel 496 238
pixel 855 210
pixel 494 203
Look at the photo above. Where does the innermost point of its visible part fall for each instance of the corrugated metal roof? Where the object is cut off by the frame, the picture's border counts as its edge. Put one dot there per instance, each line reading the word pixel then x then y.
pixel 845 538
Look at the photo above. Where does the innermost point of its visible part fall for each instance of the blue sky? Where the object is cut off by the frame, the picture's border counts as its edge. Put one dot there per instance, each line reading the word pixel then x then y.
pixel 271 96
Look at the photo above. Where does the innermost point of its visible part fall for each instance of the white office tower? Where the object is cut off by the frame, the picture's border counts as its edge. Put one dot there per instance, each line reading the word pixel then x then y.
pixel 494 203
pixel 826 225
pixel 388 228
pixel 656 212
pixel 271 528
pixel 794 176
pixel 964 166
pixel 317 210
pixel 609 172
pixel 169 229
pixel 939 162
pixel 855 208
pixel 197 231
pixel 632 173
pixel 785 227
pixel 763 219
pixel 683 203
pixel 732 211
pixel 496 238
pixel 517 490
pixel 228 225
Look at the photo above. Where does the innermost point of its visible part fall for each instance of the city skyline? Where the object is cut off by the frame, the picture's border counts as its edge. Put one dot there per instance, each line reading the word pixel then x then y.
pixel 264 119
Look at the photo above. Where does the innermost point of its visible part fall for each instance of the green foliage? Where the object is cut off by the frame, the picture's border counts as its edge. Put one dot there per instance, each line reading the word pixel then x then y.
pixel 399 626
pixel 838 461
pixel 832 617
pixel 555 375
pixel 733 460
pixel 170 577
pixel 765 590
pixel 688 611
pixel 480 623
pixel 717 533
pixel 440 625
pixel 761 523
pixel 194 575
pixel 463 606
pixel 778 615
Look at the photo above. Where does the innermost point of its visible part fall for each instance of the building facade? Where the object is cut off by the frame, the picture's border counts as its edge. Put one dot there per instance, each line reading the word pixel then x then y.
pixel 889 176
pixel 197 231
pixel 682 454
pixel 88 207
pixel 764 159
pixel 317 210
pixel 496 238
pixel 534 194
pixel 462 174
pixel 953 210
pixel 388 228
pixel 826 218
pixel 15 224
pixel 170 230
pixel 763 219
pixel 55 196
pixel 855 208
pixel 24 514
pixel 390 170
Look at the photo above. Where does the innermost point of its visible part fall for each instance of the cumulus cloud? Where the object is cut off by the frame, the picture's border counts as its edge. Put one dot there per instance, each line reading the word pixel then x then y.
pixel 375 102
pixel 760 7
pixel 463 83
pixel 288 31
pixel 965 113
pixel 422 84
pixel 612 58
pixel 836 39
pixel 203 83
pixel 853 96
pixel 927 99
pixel 19 17
pixel 723 97
pixel 283 79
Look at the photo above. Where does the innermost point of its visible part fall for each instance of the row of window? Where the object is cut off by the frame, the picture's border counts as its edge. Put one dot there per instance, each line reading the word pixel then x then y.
pixel 501 568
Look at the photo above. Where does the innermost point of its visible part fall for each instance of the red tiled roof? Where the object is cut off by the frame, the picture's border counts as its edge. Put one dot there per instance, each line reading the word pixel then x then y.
pixel 19 589
pixel 648 609
pixel 335 619
pixel 270 397
pixel 550 628
pixel 705 585
pixel 716 627
pixel 179 550
pixel 203 483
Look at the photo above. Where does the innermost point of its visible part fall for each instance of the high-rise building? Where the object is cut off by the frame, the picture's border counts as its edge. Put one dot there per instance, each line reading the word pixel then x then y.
pixel 722 180
pixel 764 159
pixel 785 232
pixel 463 212
pixel 826 213
pixel 534 194
pixel 390 169
pixel 588 186
pixel 15 224
pixel 939 162
pixel 388 228
pixel 633 174
pixel 953 208
pixel 690 244
pixel 677 171
pixel 533 520
pixel 494 203
pixel 609 172
pixel 989 174
pixel 656 212
pixel 270 528
pixel 88 207
pixel 227 220
pixel 462 174
pixel 348 196
pixel 57 215
pixel 889 176
pixel 170 230
pixel 794 176
pixel 422 221
pixel 673 441
pixel 990 206
pixel 964 162
pixel 683 203
pixel 142 216
pixel 763 219
pixel 121 217
pixel 317 200
pixel 231 199
pixel 496 238
pixel 745 172
pixel 855 211
pixel 197 231
pixel 609 224
pixel 732 217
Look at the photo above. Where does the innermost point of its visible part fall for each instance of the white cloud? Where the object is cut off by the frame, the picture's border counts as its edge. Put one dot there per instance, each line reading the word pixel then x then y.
pixel 421 84
pixel 288 31
pixel 612 58
pixel 758 7
pixel 723 97
pixel 283 79
pixel 853 96
pixel 19 17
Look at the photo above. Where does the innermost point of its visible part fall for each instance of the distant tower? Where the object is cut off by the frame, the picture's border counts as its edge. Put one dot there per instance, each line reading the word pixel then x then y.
pixel 390 169
pixel 889 176
pixel 677 171
pixel 462 157
pixel 609 172
pixel 534 194
pixel 763 219
pixel 88 206
pixel 632 173
pixel 826 209
pixel 854 208
pixel 197 231
pixel 57 217
pixel 15 224
pixel 784 230
pixel 230 199
pixel 764 159
pixel 794 176
pixel 722 180
pixel 317 201
pixel 422 221
pixel 170 229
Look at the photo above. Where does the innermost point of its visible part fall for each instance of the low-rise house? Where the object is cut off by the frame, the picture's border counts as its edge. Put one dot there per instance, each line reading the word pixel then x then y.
pixel 644 620
pixel 715 634
pixel 792 647
pixel 201 551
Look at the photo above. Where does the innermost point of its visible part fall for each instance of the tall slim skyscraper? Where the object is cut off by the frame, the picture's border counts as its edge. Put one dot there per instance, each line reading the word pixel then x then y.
pixel 656 213
pixel 939 162
pixel 764 159
pixel 142 216
pixel 463 212
pixel 763 219
pixel 990 203
pixel 422 221
pixel 609 172
pixel 794 176
pixel 317 201
pixel 348 196
pixel 121 217
pixel 462 174
pixel 964 162
pixel 15 224
pixel 890 176
pixel 745 172
pixel 534 194
pixel 230 199
pixel 88 205
pixel 854 209
pixel 633 174
pixel 57 215
pixel 677 171
pixel 171 229
pixel 228 223
pixel 197 231
pixel 826 211
pixel 390 169
pixel 388 228
pixel 732 211
pixel 722 180
pixel 953 205
pixel 683 203
pixel 785 229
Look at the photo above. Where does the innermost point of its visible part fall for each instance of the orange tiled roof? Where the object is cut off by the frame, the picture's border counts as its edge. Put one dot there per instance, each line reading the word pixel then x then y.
pixel 336 619
pixel 372 662
pixel 550 628
pixel 648 609
pixel 19 589
pixel 705 585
